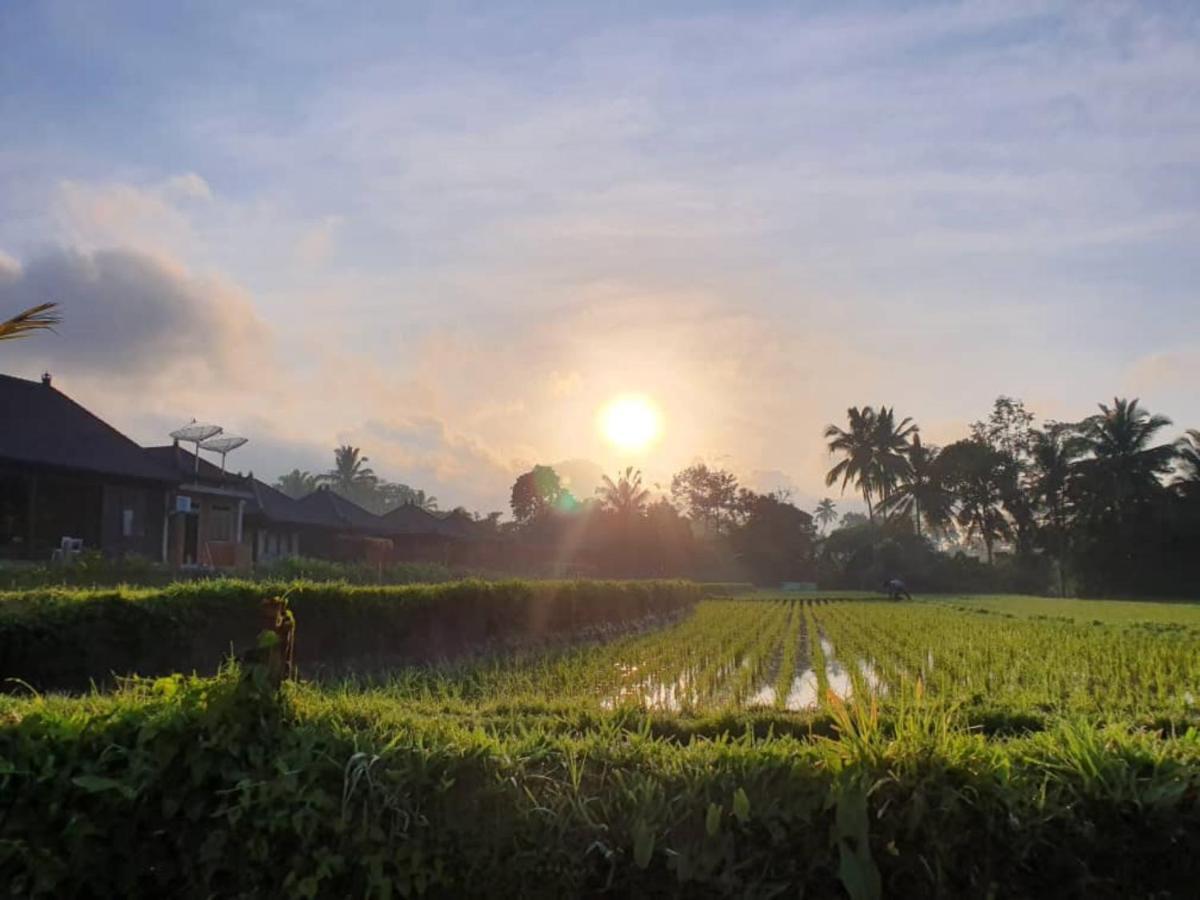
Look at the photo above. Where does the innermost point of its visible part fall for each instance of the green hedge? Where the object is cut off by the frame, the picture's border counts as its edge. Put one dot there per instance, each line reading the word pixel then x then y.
pixel 217 789
pixel 64 639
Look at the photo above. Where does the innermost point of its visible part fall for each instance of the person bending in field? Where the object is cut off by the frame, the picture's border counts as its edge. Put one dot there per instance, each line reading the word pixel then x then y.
pixel 895 589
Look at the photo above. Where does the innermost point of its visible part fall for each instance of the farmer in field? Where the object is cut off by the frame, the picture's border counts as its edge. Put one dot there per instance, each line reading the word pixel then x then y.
pixel 895 589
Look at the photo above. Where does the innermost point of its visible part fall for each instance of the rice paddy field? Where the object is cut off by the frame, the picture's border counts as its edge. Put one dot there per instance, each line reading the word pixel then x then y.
pixel 755 745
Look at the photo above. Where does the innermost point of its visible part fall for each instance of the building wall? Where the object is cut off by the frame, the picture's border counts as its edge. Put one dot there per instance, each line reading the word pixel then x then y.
pixel 38 508
pixel 217 522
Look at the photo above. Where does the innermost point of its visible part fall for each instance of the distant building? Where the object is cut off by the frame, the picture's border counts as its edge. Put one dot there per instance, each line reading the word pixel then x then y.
pixel 64 473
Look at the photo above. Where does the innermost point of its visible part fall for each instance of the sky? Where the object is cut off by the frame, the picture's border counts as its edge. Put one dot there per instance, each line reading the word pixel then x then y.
pixel 450 233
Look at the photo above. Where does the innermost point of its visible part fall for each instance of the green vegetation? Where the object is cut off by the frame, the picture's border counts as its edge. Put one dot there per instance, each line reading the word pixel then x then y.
pixel 857 747
pixel 62 638
pixel 1115 612
pixel 93 569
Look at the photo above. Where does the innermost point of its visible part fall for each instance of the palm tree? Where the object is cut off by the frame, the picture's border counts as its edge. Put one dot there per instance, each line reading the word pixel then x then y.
pixel 875 449
pixel 37 318
pixel 626 496
pixel 1125 465
pixel 922 490
pixel 891 457
pixel 1053 453
pixel 857 446
pixel 1188 448
pixel 350 474
pixel 298 483
pixel 424 501
pixel 826 513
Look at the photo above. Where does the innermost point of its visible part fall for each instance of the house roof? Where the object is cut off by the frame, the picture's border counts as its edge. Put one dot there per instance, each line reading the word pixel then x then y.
pixel 277 506
pixel 183 464
pixel 412 519
pixel 39 425
pixel 336 510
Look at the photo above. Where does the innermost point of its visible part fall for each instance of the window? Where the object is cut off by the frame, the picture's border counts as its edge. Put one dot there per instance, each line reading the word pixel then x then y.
pixel 220 524
pixel 133 514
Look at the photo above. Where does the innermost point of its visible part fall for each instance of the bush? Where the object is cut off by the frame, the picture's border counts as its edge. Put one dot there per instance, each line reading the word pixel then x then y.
pixel 218 788
pixel 60 638
pixel 95 570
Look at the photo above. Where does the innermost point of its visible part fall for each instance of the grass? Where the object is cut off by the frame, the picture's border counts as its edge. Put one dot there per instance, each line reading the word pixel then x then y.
pixel 1116 612
pixel 856 746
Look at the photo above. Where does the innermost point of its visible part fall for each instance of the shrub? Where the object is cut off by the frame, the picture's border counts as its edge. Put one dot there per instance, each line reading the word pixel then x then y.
pixel 59 638
pixel 219 788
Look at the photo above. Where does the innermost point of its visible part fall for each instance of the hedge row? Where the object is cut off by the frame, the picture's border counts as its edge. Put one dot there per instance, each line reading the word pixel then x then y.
pixel 215 789
pixel 65 639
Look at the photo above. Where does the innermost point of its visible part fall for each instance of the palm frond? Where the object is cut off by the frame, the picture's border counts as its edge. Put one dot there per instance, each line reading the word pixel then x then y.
pixel 37 318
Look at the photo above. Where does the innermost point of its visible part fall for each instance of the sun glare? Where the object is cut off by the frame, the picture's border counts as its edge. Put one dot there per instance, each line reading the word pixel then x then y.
pixel 630 422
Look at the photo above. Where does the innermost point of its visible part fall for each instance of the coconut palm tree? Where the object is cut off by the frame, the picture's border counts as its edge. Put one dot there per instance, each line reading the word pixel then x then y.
pixel 350 476
pixel 891 458
pixel 826 513
pixel 37 318
pixel 298 483
pixel 875 450
pixel 856 444
pixel 922 490
pixel 626 497
pixel 1126 466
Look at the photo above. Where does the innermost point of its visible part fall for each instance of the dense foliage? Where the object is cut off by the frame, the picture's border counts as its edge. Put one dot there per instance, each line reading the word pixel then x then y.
pixel 64 638
pixel 1100 506
pixel 521 777
pixel 93 569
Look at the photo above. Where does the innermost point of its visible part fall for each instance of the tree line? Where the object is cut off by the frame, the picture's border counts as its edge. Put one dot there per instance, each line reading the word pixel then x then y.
pixel 353 479
pixel 1106 504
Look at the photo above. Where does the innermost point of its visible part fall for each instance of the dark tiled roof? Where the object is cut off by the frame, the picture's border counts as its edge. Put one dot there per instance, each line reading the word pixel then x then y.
pixel 41 426
pixel 183 463
pixel 411 519
pixel 277 506
pixel 342 513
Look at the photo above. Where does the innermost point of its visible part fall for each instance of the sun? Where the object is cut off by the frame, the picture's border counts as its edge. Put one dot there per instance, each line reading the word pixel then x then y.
pixel 630 422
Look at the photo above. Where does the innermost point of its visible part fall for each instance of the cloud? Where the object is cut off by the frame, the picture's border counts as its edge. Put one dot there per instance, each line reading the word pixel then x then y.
pixel 129 316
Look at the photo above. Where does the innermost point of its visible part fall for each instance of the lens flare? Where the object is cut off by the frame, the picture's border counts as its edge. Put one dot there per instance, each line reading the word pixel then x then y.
pixel 630 422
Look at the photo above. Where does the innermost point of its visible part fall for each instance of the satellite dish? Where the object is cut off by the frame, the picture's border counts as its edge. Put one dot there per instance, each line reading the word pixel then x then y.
pixel 196 432
pixel 223 445
pixel 193 433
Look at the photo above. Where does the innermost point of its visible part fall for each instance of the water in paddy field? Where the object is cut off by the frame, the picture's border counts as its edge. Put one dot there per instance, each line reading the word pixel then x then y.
pixel 804 693
pixel 837 676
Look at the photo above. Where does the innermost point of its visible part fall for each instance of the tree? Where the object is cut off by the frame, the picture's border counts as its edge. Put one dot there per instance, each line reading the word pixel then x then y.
pixel 1188 449
pixel 535 492
pixel 857 446
pixel 626 497
pixel 298 483
pixel 37 318
pixel 707 495
pixel 1053 453
pixel 1008 430
pixel 874 448
pixel 775 540
pixel 976 473
pixel 1125 467
pixel 350 475
pixel 890 462
pixel 826 513
pixel 922 491
pixel 392 494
